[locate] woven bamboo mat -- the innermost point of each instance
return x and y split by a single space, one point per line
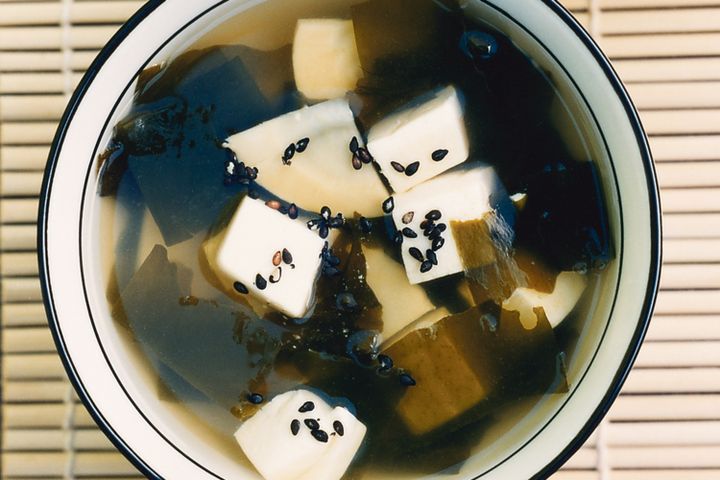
666 423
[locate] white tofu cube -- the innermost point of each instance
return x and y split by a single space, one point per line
421 142
426 321
318 168
402 303
462 194
325 58
273 257
569 287
298 435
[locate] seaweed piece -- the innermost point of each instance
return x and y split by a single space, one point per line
567 224
485 247
217 348
238 85
565 220
172 139
404 48
511 98
539 276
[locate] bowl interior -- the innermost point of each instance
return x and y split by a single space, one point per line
528 437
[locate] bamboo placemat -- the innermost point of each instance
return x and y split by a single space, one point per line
666 423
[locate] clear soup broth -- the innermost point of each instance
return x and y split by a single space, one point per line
436 197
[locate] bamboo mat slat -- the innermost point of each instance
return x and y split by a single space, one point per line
42 13
668 70
30 61
666 423
25 157
685 327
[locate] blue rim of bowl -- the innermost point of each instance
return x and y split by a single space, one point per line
628 359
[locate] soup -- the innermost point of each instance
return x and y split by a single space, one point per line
373 248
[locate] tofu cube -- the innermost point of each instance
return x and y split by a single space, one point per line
466 364
447 362
325 58
466 193
254 253
304 157
418 143
402 303
557 305
300 436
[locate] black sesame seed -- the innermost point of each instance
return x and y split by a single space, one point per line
479 46
325 213
255 398
312 424
398 167
426 223
439 155
345 302
432 256
307 407
324 231
320 436
409 232
295 427
364 155
416 254
260 282
354 145
251 173
240 288
426 266
302 145
231 156
293 211
365 225
283 210
337 222
435 233
386 363
289 154
408 217
398 238
434 215
388 205
412 169
253 194
287 256
338 427
356 162
407 380
441 227
438 243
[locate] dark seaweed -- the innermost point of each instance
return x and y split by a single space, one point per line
173 136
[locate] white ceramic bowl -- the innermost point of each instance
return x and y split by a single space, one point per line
111 379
